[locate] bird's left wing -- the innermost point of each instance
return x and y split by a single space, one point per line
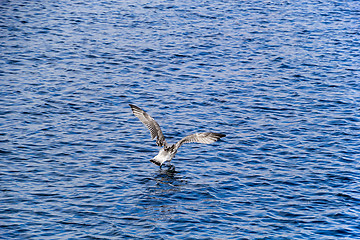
151 124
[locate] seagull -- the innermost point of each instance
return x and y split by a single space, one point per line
167 152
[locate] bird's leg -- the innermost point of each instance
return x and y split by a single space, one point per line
171 168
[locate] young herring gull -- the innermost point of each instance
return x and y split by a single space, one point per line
167 152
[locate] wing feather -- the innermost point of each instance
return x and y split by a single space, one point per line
205 137
151 124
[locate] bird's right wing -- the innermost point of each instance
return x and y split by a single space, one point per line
151 124
205 137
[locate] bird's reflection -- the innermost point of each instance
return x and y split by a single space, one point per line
170 177
160 199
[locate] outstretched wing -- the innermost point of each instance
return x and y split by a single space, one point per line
151 124
205 137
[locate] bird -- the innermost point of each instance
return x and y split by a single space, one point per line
167 152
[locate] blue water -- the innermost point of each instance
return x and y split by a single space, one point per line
279 78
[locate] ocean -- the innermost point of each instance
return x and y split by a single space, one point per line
279 78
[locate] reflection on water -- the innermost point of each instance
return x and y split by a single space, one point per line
159 191
167 176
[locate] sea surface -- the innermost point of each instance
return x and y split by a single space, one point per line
280 78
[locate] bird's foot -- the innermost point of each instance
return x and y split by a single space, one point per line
171 168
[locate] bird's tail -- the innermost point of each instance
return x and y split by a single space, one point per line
155 162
